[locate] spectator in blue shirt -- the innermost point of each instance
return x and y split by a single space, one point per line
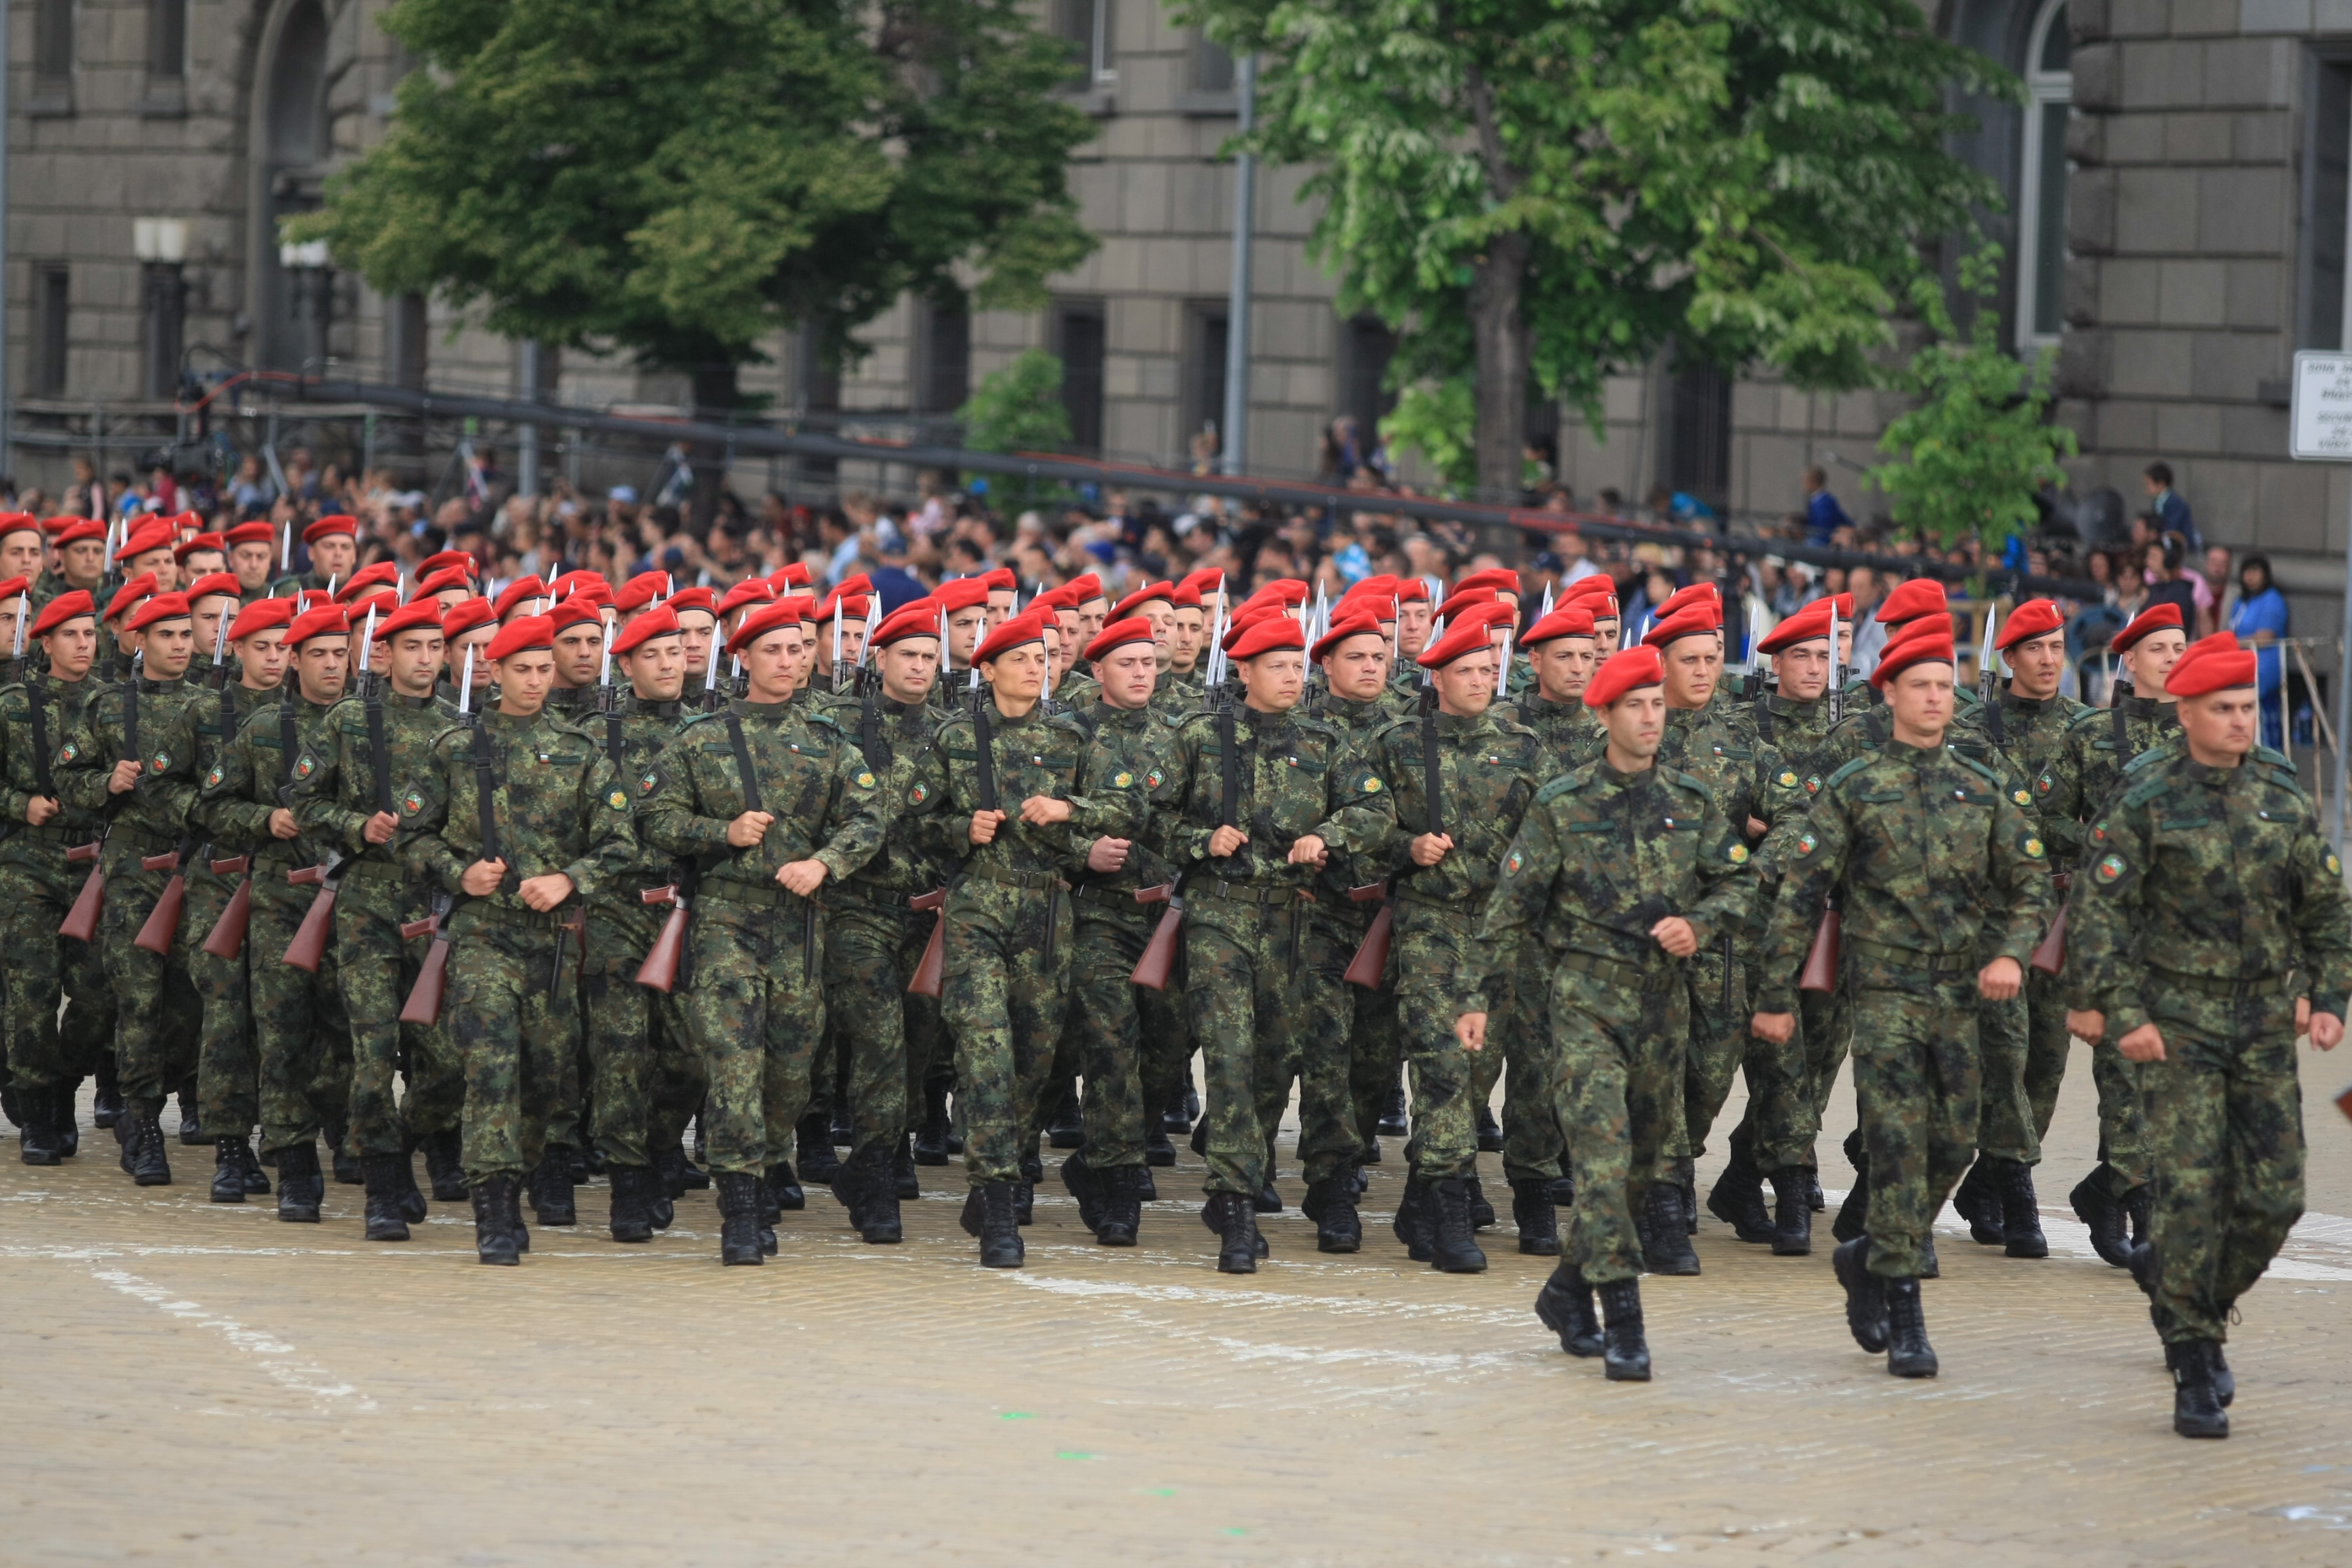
2260 622
2171 511
1823 516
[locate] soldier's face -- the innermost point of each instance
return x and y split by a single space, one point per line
20 553
1803 669
999 608
159 561
772 664
909 667
1184 650
473 649
1920 701
1018 676
333 556
1636 722
1604 634
1066 651
321 664
1162 616
1092 615
1358 669
1128 673
657 669
964 634
2151 659
72 647
412 659
200 564
853 640
2035 665
1273 682
168 645
19 632
579 654
83 563
1414 617
1564 666
210 611
524 680
2220 725
1692 665
694 628
1465 687
262 658
251 562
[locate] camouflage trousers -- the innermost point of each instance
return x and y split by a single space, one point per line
1915 1084
301 1035
1532 1150
2005 1129
643 1075
1244 955
158 1022
1008 949
378 966
1431 954
1351 1053
1718 979
1133 1043
1618 1034
228 1071
2225 1125
515 1034
47 1050
2124 1146
753 1013
1777 1131
871 950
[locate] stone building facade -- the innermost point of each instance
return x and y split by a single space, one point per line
2177 227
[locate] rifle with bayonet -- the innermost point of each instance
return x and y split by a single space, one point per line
1158 964
309 948
424 1003
82 920
1821 968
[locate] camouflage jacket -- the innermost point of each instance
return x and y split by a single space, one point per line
895 739
1037 753
2075 785
1747 777
1125 745
335 786
1356 723
2218 874
1600 858
556 806
1928 856
1571 734
61 705
156 809
1800 732
1289 778
254 775
827 803
2032 735
1488 770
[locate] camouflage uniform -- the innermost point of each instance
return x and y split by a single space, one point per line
514 1022
228 1072
1571 733
1245 921
1938 872
1009 925
756 1008
2208 903
302 1035
1600 858
335 793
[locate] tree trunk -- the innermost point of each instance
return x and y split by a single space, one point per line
715 395
1500 333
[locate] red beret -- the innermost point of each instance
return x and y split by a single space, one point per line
961 593
2159 617
805 604
519 593
14 588
1468 635
701 599
1001 577
1626 670
1281 591
210 584
1411 590
1466 600
1680 599
915 618
129 595
1909 601
1927 640
260 615
1014 633
367 577
1062 601
659 622
1118 633
854 606
190 546
790 574
1185 599
66 606
530 634
1844 602
1501 579
750 591
418 613
639 592
449 580
383 600
576 612
439 560
590 589
334 523
1381 586
1598 586
768 617
856 583
1271 635
1204 580
570 582
142 541
1133 604
327 620
1807 624
1353 622
1088 586
18 522
464 615
77 529
1567 621
2033 618
1249 615
2211 664
1695 620
251 533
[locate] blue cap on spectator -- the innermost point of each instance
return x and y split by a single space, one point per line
625 494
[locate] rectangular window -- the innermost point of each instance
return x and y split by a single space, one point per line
1081 341
945 377
1212 67
1698 434
2327 160
1366 347
1207 335
51 306
167 39
53 42
1084 25
163 321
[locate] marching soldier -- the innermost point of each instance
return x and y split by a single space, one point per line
1564 650
250 556
1935 867
2210 908
334 547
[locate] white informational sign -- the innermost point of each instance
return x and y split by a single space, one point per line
2321 427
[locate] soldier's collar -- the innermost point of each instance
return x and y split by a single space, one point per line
2135 706
1611 774
2010 699
1904 751
2206 773
1463 723
1803 706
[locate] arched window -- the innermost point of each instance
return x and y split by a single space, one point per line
2041 184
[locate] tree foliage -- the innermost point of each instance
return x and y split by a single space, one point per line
1018 408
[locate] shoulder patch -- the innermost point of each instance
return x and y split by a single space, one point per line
1847 772
2110 868
1737 854
411 803
2028 844
618 800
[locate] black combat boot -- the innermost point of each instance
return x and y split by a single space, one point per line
1978 1200
1813 1199
192 1121
766 1209
738 1218
63 1122
106 1100
878 1221
1625 1354
1392 1124
784 1188
903 1180
2020 1212
1119 1204
300 1188
1024 1202
1452 1240
1175 1119
1565 1305
1085 1185
2137 1204
1687 1180
2196 1405
1234 1219
1482 1213
579 1166
413 1206
1266 1200
813 1136
1199 1141
1068 1130
633 1190
988 1214
228 1171
1665 1244
1368 1153
844 1130
346 1165
550 1190
848 1188
150 1166
442 1167
510 1211
1866 1294
1147 1190
1033 1168
1538 1221
1908 1353
495 1240
2102 1217
1331 1204
1793 1216
1157 1149
1415 1222
386 1222
1490 1131
1853 1215
661 1208
257 1184
2225 1386
1562 1189
932 1137
1738 1200
40 1128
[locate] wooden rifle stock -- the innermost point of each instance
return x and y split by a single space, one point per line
309 948
1822 962
1371 960
411 930
227 937
162 926
2050 956
424 1003
2344 1104
82 921
930 977
1158 960
659 970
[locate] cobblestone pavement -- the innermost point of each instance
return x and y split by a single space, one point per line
200 1383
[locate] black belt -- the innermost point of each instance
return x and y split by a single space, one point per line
68 836
1244 892
1120 899
1033 881
529 920
2220 984
1618 972
1913 957
771 898
377 872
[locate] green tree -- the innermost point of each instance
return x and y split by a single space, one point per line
1970 456
1545 191
680 178
1018 408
